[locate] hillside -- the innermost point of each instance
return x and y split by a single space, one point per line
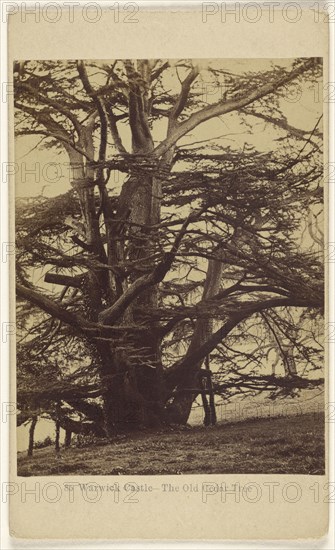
287 445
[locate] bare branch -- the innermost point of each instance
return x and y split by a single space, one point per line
225 107
64 280
182 98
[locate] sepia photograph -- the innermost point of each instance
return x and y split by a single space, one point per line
169 232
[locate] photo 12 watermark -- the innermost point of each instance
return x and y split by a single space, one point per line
130 493
71 12
269 12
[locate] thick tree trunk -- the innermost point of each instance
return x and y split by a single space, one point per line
132 394
131 371
134 375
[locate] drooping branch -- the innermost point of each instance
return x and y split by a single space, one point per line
268 383
60 390
225 107
215 306
51 129
78 323
281 123
175 371
53 103
51 307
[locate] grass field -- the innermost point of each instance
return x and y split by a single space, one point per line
283 445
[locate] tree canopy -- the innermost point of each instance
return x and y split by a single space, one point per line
169 247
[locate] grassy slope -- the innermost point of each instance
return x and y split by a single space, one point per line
291 445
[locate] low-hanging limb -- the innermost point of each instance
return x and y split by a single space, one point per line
175 372
269 383
79 324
